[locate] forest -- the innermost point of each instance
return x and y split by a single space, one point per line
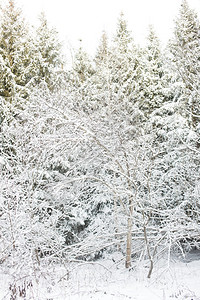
99 158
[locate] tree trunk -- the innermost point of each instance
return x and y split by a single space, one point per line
129 242
148 252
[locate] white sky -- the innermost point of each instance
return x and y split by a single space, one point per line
86 19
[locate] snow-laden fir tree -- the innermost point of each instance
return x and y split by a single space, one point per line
7 81
174 174
155 79
124 70
185 48
82 65
17 54
102 61
82 81
102 49
121 61
50 64
101 79
174 136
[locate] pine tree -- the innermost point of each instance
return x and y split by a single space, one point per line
82 83
124 67
102 50
122 37
7 81
101 77
185 48
121 55
16 52
82 65
50 63
155 80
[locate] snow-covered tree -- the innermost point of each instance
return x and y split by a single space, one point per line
18 56
186 53
82 81
174 175
82 65
155 84
123 63
50 64
24 238
122 71
102 50
7 81
102 71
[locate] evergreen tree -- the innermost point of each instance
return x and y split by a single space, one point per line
124 68
50 63
121 58
155 82
101 78
18 56
102 50
82 65
82 82
185 48
7 81
122 37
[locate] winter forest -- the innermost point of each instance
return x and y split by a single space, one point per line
98 160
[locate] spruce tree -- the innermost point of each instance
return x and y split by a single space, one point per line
82 65
102 50
155 82
17 54
101 78
121 56
7 81
50 62
185 48
124 67
82 81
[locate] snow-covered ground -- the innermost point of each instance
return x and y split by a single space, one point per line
107 279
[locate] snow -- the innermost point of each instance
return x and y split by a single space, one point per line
107 279
2 161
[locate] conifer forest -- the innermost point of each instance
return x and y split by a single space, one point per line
100 157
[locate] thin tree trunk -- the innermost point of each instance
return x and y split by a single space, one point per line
148 252
129 242
150 269
130 216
